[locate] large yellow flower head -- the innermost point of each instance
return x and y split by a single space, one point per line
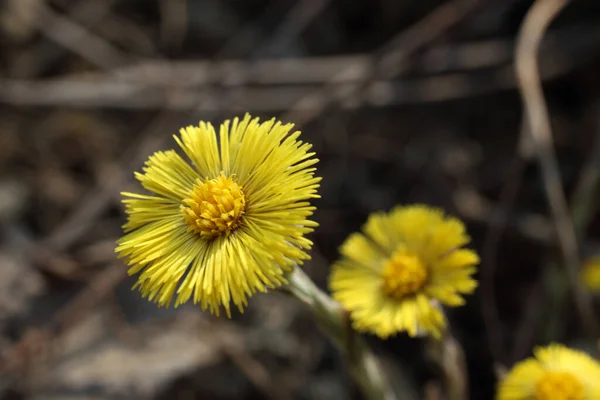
590 274
228 225
392 277
555 373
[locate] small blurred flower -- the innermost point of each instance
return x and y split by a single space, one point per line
393 277
228 225
555 373
590 274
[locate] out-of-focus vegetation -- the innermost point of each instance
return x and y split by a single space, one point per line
404 102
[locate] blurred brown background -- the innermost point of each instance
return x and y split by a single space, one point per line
404 101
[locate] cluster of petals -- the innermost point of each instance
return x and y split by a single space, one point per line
228 222
395 275
555 372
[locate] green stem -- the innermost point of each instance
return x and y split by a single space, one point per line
448 354
333 321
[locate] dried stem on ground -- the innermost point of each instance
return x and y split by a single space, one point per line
539 17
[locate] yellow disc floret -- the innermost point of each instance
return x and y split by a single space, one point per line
403 274
214 207
559 385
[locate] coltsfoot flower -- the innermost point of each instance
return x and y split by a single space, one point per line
228 225
555 373
590 274
393 276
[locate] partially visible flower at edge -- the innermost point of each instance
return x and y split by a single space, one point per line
227 226
556 372
590 274
393 277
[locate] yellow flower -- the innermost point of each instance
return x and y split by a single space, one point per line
556 373
393 277
228 225
590 274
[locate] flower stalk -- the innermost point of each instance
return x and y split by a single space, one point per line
333 321
449 356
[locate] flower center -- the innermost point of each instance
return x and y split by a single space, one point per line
403 274
557 385
214 206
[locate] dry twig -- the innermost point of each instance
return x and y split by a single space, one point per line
79 40
32 60
489 253
532 31
174 19
279 84
584 199
389 61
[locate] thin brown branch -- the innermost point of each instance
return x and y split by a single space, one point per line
530 36
96 201
113 93
396 52
294 23
584 200
73 36
529 323
441 58
491 242
36 341
388 61
253 369
174 18
33 59
270 85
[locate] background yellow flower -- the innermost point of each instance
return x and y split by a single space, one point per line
590 274
392 277
226 226
555 373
